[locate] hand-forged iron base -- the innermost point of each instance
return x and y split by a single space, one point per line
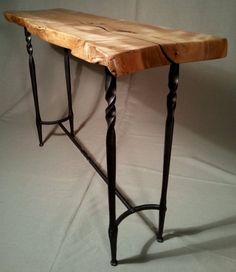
110 177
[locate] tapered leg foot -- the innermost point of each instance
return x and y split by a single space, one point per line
162 214
71 120
40 134
113 242
114 263
161 226
160 239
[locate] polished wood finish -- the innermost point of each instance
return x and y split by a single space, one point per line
122 46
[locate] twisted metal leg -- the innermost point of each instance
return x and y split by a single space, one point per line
34 85
68 87
110 87
171 105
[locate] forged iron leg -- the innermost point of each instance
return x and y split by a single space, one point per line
110 87
68 87
34 85
171 105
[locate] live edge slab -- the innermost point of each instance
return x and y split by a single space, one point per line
122 46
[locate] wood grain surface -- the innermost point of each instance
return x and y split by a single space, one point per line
123 46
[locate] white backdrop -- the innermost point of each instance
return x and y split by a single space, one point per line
53 207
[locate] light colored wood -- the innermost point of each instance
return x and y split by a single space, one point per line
123 46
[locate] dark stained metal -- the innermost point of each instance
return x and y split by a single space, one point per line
110 88
34 85
136 209
171 105
68 88
56 122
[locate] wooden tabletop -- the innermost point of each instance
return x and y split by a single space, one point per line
123 46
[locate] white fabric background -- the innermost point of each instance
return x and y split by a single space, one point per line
53 206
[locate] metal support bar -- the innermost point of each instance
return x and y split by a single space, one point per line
95 165
171 105
56 122
34 85
136 209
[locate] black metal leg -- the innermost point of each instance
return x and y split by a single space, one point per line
171 105
68 87
34 85
110 87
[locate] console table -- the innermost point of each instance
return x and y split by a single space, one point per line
122 47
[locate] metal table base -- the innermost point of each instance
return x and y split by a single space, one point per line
110 113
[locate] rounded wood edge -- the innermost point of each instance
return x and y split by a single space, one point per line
132 61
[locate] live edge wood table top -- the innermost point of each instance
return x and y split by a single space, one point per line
122 46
